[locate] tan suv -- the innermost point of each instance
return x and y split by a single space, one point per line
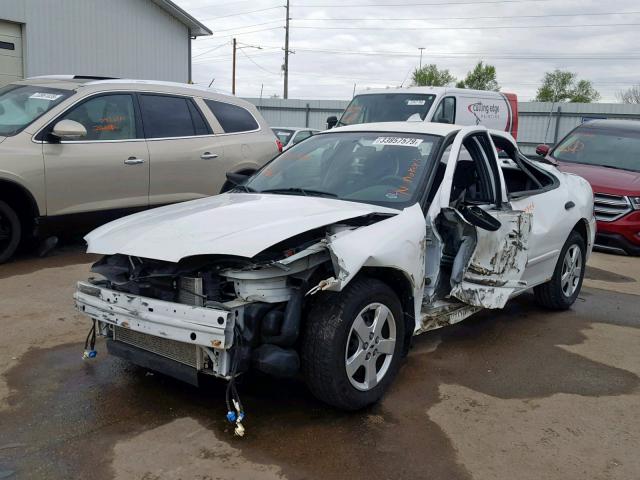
80 151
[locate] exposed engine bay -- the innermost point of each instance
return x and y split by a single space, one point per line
264 298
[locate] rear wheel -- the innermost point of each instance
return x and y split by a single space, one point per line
352 344
561 291
10 232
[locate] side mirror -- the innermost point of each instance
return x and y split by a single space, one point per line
68 130
479 218
332 121
543 150
237 178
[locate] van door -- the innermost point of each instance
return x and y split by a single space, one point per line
484 236
185 155
108 169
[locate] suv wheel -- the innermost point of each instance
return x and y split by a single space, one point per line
561 291
10 232
352 344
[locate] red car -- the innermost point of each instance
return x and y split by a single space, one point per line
607 154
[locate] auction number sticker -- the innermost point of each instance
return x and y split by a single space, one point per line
416 102
402 141
46 96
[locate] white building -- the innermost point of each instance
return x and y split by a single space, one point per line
147 39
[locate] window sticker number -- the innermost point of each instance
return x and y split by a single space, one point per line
402 141
416 102
46 96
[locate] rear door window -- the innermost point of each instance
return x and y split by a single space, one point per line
164 116
232 118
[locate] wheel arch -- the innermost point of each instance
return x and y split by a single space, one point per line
21 200
398 281
583 228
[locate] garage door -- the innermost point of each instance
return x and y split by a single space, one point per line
10 52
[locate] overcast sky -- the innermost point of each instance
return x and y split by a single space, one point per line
329 38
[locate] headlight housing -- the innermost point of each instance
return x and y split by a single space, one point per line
635 202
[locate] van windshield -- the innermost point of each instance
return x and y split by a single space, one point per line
387 107
20 105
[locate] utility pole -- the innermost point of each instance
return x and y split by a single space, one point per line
421 49
233 74
286 55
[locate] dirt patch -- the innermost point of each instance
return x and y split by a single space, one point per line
593 273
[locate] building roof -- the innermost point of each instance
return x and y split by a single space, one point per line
196 28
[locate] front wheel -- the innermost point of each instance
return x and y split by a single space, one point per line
10 232
352 344
561 291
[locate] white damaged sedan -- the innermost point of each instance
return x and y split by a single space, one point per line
326 261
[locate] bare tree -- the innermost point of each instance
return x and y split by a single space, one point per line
630 95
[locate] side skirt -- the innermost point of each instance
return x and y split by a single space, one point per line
443 313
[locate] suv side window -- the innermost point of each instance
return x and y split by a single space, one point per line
106 117
446 111
164 116
232 118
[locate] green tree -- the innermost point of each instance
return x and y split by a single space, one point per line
563 86
482 77
431 76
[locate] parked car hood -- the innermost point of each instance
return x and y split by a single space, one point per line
242 224
606 180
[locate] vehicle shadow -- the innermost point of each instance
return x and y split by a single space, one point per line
69 252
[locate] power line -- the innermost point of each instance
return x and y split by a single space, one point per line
271 8
258 65
243 33
502 27
248 26
210 50
368 5
219 5
459 18
506 55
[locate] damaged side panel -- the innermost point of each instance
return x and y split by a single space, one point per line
495 270
398 243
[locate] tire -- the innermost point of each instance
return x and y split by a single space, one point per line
10 232
226 187
559 293
331 340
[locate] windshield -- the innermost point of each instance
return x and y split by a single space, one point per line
283 135
22 104
611 147
381 168
386 107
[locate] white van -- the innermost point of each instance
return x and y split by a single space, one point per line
495 110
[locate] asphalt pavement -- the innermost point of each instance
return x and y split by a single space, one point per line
521 393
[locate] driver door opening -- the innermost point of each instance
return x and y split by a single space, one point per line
476 244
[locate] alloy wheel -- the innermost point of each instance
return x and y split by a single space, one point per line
370 346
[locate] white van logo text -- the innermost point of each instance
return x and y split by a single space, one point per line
482 111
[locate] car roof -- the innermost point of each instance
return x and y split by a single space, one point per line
91 84
295 129
430 90
630 125
85 81
429 128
